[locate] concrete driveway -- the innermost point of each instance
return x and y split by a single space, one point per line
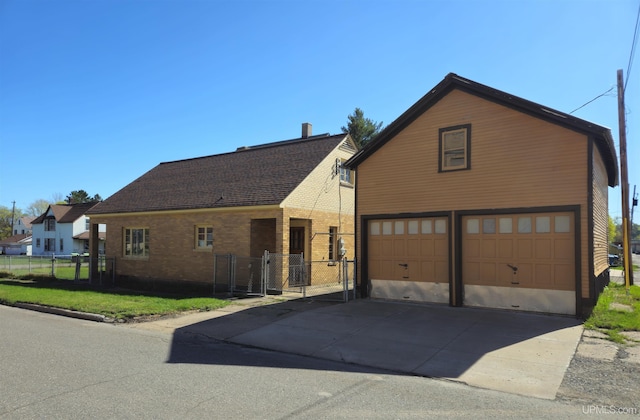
513 352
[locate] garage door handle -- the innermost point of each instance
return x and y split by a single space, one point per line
404 265
514 268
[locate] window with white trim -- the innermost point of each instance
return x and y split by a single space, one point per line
136 242
454 148
204 237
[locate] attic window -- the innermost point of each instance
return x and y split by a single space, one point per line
346 174
455 148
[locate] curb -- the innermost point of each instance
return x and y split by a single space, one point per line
63 312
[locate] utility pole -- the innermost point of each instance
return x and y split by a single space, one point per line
624 186
13 217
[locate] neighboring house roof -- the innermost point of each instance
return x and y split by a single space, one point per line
250 176
65 213
16 239
601 135
86 234
27 220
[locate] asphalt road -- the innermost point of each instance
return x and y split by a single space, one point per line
57 367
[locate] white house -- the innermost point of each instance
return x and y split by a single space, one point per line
22 226
63 230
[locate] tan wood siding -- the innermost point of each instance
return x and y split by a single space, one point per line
517 161
600 216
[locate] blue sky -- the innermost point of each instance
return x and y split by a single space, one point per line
95 93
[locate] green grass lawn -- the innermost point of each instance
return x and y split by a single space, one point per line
113 304
616 311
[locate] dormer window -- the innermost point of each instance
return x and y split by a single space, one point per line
455 148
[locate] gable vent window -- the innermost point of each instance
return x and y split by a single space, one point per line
455 148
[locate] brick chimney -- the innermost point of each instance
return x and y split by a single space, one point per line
306 130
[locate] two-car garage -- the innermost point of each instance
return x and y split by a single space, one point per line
519 261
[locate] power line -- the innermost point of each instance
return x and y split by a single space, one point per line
633 49
599 96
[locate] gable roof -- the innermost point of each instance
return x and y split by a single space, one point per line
601 135
250 176
65 213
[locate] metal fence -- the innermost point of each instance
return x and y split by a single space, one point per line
63 267
235 275
279 273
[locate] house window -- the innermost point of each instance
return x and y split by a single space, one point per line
50 224
455 148
204 237
37 242
49 244
346 174
136 242
61 245
87 224
333 244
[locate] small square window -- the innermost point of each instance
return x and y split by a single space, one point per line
426 227
543 224
399 227
524 224
473 226
387 228
375 228
441 226
505 225
562 224
412 227
489 226
454 148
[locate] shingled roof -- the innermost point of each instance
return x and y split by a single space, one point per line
601 135
65 213
250 176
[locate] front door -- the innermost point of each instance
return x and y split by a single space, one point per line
296 249
296 240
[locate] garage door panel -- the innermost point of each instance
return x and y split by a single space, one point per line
525 273
471 273
441 248
413 247
472 248
563 277
563 249
409 258
505 248
387 247
386 269
399 249
524 248
488 275
530 255
427 270
426 248
489 248
442 272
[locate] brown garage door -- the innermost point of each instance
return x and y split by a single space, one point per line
520 261
409 259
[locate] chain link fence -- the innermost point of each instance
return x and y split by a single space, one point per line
279 273
63 267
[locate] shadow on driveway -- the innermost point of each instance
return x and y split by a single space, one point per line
514 352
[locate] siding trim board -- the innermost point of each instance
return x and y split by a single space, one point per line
590 236
459 215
